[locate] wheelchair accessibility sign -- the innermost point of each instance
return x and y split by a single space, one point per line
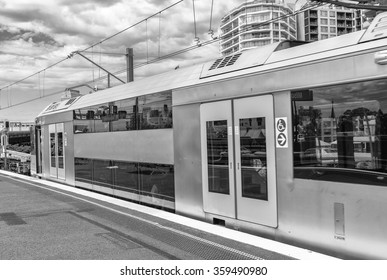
281 132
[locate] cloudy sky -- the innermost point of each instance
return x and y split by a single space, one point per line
35 34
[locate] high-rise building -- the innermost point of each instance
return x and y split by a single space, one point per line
256 23
328 21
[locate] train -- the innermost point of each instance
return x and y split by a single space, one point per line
229 142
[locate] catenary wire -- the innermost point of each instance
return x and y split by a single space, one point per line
205 43
91 46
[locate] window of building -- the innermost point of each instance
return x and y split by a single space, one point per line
324 29
324 21
324 36
323 13
332 14
332 22
341 135
332 29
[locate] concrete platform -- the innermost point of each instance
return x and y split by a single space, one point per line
41 219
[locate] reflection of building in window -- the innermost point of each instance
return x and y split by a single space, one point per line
328 129
347 134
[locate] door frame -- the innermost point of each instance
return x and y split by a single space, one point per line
234 205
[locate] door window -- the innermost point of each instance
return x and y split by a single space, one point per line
217 157
253 158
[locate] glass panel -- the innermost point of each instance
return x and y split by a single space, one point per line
102 173
217 157
83 169
157 181
60 150
39 151
53 149
340 133
126 176
84 120
155 111
126 115
102 118
253 157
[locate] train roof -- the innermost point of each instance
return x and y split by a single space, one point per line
267 57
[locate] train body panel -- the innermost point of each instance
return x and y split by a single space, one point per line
231 144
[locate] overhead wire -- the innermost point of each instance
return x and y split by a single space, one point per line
208 42
197 40
303 9
91 46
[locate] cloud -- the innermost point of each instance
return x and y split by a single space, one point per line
8 33
36 34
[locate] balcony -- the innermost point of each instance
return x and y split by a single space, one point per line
255 36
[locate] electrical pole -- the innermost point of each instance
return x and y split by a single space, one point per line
129 65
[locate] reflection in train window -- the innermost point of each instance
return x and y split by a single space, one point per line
126 117
340 133
102 173
217 157
253 158
153 111
152 181
157 182
83 170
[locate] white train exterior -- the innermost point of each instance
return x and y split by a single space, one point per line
288 143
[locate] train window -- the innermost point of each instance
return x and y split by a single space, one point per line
253 158
126 176
90 119
340 133
217 157
151 111
83 170
53 149
157 182
152 181
155 111
102 118
126 115
60 150
102 173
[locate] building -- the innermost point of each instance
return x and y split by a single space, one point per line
253 24
328 21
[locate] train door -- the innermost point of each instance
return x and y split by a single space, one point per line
238 152
57 168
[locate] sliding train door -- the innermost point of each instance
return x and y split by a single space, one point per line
238 152
57 168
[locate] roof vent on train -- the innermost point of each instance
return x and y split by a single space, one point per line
376 30
226 61
246 59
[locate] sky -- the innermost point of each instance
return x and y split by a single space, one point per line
35 35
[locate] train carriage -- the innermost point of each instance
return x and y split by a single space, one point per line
286 141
